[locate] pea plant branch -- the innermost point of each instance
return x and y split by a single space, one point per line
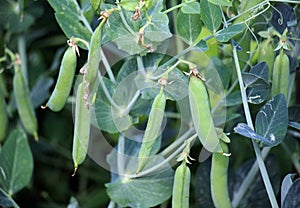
258 154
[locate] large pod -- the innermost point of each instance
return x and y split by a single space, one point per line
94 55
201 115
267 54
153 129
281 73
181 187
24 105
219 179
64 83
81 128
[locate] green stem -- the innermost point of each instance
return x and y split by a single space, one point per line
125 21
107 67
23 57
11 200
248 180
259 158
111 204
177 6
179 43
132 102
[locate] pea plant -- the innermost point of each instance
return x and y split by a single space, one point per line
185 103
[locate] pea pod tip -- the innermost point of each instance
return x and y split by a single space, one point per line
226 154
36 136
44 106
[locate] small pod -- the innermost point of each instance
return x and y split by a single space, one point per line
267 54
81 128
219 179
153 129
201 115
280 81
3 118
94 55
64 83
24 105
181 186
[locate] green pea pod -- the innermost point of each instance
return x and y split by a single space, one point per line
201 115
81 128
24 105
281 71
267 54
153 129
3 118
181 187
94 56
219 179
64 83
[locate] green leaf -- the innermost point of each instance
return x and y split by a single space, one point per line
40 92
286 184
229 32
95 4
272 120
108 118
5 200
222 70
221 2
292 198
129 4
257 83
68 16
233 99
145 191
191 8
159 30
16 162
246 131
211 15
188 26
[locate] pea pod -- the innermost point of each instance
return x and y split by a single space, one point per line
24 105
201 115
280 81
267 54
3 118
181 186
219 179
64 83
94 55
153 129
81 128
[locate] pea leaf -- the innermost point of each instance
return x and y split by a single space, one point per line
191 8
286 184
68 16
245 130
5 200
146 191
129 4
211 15
229 32
108 118
221 2
272 120
257 83
188 26
16 162
292 198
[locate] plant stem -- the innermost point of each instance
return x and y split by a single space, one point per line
259 158
125 21
23 57
111 204
248 180
179 43
177 6
120 155
132 101
177 142
107 67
